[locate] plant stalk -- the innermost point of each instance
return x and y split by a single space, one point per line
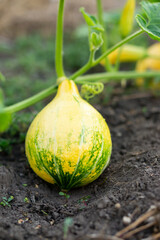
59 41
117 64
86 67
116 76
104 35
29 101
121 43
103 77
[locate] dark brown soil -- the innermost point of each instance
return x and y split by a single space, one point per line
128 187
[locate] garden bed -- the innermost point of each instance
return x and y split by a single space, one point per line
126 189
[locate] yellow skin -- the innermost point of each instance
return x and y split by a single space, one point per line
128 53
69 142
149 64
131 53
127 18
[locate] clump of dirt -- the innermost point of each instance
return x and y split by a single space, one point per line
19 17
126 189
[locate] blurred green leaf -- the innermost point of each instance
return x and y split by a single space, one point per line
10 198
5 118
2 78
5 145
151 22
1 91
67 224
61 193
96 41
92 21
1 98
153 1
5 121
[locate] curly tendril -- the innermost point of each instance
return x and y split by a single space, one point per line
89 90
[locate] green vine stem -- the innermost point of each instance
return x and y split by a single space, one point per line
106 77
103 77
117 64
91 58
104 35
59 41
29 101
88 65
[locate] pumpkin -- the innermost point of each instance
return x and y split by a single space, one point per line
69 142
149 63
128 53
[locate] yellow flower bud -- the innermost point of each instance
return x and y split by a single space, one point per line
127 18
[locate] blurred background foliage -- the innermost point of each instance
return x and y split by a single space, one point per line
27 62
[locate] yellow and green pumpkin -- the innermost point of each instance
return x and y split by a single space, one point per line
127 53
149 63
69 142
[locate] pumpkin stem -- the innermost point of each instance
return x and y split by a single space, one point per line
67 87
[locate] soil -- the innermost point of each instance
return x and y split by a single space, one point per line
127 188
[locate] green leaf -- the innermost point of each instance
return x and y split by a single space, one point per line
67 224
4 198
1 98
94 19
150 23
10 198
5 118
2 203
5 121
67 196
152 1
2 78
96 41
98 28
61 193
91 21
26 200
24 185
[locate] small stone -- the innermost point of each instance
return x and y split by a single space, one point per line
21 174
103 203
38 226
117 205
152 207
126 220
52 222
21 221
119 134
33 200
